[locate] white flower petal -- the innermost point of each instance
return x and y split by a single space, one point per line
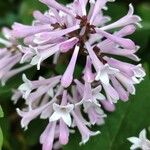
142 134
134 147
100 96
104 78
67 119
36 60
51 92
134 140
55 116
62 112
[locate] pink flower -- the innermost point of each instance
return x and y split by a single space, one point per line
81 37
47 137
9 57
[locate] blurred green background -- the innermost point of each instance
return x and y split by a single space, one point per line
128 119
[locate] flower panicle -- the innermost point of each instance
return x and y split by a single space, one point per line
76 36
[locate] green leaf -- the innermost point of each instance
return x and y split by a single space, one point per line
1 138
33 133
120 10
128 120
144 11
1 112
27 8
13 83
6 128
65 1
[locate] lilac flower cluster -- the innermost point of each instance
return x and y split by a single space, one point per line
73 32
9 57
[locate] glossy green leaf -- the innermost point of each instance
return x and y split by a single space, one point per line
1 112
128 120
1 138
